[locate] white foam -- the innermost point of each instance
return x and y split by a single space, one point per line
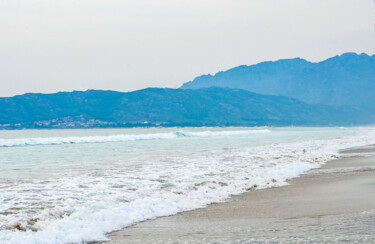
84 204
121 138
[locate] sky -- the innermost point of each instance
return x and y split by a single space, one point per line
52 45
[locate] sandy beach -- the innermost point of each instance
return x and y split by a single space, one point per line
332 204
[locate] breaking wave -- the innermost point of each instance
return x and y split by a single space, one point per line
121 138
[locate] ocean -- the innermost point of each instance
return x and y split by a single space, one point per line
74 186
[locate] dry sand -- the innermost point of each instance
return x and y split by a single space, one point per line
333 204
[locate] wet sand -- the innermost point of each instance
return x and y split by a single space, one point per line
332 204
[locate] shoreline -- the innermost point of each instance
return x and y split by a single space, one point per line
184 126
333 203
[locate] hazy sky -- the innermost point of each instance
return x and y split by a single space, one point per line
64 45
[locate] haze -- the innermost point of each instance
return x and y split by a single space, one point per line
49 45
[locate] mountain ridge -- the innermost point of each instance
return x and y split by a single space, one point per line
167 107
336 91
347 79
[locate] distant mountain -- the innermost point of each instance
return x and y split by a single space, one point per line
348 79
166 107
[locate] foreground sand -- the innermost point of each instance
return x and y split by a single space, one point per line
333 204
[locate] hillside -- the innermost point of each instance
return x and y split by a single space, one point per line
166 107
348 79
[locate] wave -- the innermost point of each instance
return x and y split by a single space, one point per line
90 201
121 138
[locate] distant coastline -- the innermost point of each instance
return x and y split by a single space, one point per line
142 126
293 92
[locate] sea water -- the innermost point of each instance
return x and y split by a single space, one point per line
74 186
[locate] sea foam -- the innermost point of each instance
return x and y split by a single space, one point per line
83 200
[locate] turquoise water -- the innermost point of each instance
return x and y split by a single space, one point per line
64 186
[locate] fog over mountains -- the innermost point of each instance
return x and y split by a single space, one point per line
337 91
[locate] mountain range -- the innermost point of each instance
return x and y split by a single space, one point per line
337 91
348 79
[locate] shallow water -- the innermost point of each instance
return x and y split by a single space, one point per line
64 186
